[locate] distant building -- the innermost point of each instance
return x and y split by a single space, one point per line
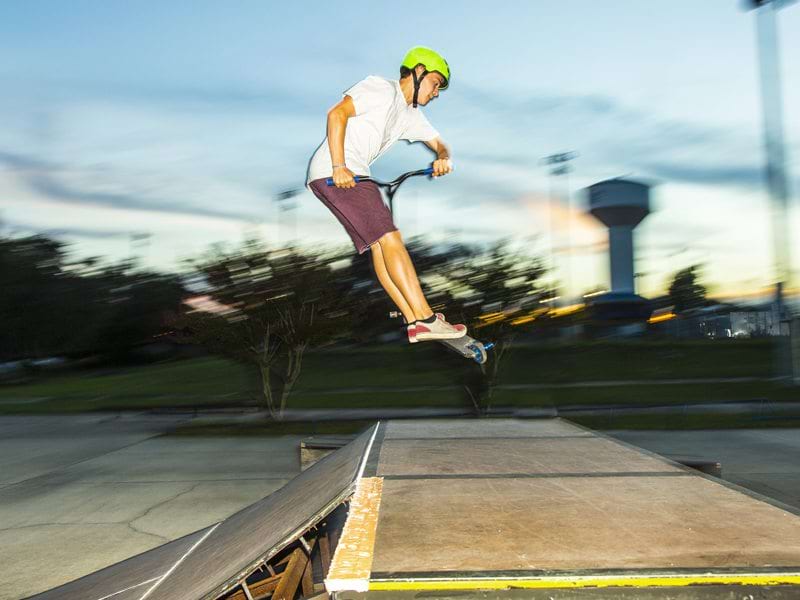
719 322
760 323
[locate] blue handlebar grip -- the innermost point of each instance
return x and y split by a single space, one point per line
429 171
329 180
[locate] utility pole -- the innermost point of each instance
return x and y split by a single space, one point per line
777 179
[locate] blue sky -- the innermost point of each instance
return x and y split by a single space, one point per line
183 120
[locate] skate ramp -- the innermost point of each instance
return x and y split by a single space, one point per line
208 562
469 507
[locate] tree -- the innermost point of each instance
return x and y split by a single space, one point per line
135 306
51 306
275 305
33 282
489 290
685 292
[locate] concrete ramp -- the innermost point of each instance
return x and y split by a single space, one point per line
547 509
215 560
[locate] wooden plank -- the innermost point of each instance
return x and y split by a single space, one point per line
325 554
259 590
283 561
333 536
265 589
308 580
352 560
292 576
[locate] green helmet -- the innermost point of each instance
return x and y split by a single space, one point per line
433 62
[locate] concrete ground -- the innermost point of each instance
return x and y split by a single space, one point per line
81 492
78 493
766 461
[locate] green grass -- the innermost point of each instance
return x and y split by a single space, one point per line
647 395
201 376
207 382
564 363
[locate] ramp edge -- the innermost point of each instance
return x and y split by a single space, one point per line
593 581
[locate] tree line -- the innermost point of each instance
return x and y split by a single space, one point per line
271 306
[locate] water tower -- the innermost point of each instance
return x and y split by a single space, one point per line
620 205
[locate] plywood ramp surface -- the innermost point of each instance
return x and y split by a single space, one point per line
500 503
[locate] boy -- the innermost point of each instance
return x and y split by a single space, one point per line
372 116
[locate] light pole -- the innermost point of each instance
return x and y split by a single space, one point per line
286 204
777 180
559 167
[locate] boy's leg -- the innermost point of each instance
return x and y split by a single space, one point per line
403 276
386 281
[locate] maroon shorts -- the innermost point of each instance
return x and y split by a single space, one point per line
360 210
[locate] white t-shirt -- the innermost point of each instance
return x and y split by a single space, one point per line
382 117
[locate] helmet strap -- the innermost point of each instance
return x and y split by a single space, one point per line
417 82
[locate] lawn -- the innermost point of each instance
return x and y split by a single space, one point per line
425 375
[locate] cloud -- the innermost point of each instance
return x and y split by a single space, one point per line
720 174
39 176
610 137
21 162
81 232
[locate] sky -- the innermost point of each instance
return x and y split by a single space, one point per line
157 129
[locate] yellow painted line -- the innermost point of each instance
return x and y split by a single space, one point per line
582 582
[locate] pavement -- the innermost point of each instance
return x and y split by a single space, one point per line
766 461
81 492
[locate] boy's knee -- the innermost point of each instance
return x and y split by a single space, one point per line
390 239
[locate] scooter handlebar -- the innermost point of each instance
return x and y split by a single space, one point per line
357 178
329 180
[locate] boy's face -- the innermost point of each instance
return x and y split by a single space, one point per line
429 88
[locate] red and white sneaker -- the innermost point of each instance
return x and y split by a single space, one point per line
440 329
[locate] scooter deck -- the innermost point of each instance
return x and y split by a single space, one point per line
468 347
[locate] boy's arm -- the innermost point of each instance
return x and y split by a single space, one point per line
442 164
337 123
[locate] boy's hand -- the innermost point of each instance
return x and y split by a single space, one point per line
442 166
343 178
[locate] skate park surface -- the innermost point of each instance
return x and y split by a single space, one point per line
461 506
82 492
